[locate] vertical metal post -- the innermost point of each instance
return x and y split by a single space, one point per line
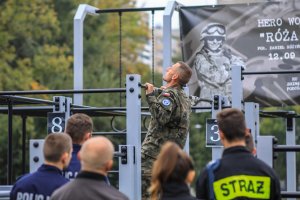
82 10
64 106
216 107
252 118
127 172
36 157
24 144
68 102
167 34
265 149
133 137
236 86
10 134
291 175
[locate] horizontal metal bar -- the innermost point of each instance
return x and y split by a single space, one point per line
121 10
286 194
109 133
200 108
286 148
279 113
187 7
113 172
28 92
25 110
102 109
114 133
118 154
145 108
28 100
33 108
108 108
272 72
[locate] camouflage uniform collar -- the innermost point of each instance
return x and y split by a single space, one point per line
175 87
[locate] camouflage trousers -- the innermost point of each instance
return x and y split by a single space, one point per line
146 166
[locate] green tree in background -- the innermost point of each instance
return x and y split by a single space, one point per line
30 56
36 42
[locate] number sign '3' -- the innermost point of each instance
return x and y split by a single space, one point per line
212 134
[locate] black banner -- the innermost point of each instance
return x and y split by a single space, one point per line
260 37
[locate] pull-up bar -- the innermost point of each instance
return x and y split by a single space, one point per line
107 90
118 10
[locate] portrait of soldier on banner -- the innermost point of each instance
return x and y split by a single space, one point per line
212 63
262 37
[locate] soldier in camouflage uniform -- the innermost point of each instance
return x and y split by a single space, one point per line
170 110
213 62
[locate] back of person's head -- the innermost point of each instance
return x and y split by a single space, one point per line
185 73
78 126
231 122
96 154
172 165
55 146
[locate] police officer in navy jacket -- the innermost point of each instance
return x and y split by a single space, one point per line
41 184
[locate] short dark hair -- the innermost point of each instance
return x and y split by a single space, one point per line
231 122
185 73
55 145
78 125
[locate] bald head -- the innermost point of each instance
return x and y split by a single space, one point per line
96 153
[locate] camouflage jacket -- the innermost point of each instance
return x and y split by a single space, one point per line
170 111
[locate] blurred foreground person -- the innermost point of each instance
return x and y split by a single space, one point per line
96 157
172 173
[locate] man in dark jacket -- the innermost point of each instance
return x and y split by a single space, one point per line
238 174
40 184
96 157
80 128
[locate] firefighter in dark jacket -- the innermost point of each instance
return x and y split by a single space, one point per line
238 174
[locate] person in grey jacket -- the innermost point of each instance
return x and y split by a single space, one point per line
96 157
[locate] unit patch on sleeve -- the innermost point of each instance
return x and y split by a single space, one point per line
166 102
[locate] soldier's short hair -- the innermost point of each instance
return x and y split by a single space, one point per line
78 125
55 145
231 122
185 73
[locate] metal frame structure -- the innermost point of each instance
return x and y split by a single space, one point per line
129 154
63 104
82 11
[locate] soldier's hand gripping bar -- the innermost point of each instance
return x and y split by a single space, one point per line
194 99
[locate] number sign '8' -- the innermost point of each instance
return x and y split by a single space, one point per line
56 122
212 134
